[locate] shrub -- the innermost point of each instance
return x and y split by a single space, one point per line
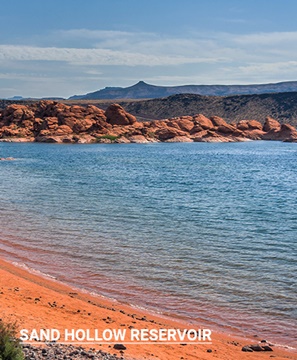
151 134
10 347
108 137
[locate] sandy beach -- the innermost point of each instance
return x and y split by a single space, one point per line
37 302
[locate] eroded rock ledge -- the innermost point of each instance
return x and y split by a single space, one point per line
50 121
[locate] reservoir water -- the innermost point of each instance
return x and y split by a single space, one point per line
204 232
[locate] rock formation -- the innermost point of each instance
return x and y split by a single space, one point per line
116 115
51 121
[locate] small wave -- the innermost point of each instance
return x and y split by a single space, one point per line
282 346
32 270
95 294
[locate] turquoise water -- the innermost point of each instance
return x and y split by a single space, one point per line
206 232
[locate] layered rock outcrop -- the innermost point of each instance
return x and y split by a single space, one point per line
50 121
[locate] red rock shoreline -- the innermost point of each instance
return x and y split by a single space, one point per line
55 122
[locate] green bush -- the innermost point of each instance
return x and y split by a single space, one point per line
109 137
10 347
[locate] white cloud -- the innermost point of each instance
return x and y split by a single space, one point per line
267 39
86 60
270 68
98 47
93 56
96 34
193 46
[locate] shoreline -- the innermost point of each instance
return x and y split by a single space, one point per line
209 321
39 302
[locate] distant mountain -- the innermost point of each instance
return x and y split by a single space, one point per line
15 98
142 90
20 98
54 98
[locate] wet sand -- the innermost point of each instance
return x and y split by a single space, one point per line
38 302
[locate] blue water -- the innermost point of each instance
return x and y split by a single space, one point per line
205 232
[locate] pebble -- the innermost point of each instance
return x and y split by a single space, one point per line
267 348
61 352
246 349
119 347
257 347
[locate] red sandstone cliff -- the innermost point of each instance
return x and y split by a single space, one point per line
49 121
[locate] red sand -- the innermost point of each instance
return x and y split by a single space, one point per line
38 303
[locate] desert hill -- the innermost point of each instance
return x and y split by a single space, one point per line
282 106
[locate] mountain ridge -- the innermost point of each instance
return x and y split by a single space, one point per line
143 90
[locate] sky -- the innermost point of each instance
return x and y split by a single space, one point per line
68 47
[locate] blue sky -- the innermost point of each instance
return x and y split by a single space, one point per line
67 47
